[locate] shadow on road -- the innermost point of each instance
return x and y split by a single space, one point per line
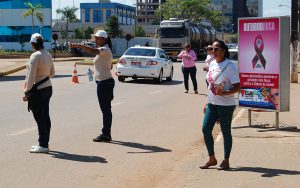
267 128
266 172
149 148
11 78
150 81
75 157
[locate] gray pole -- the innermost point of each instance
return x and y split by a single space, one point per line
294 41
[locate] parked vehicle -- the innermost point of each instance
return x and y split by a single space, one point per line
233 54
145 62
174 33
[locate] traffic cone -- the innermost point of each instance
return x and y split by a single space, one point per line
74 75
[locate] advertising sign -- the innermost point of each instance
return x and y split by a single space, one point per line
261 56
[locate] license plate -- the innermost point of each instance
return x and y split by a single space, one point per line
136 63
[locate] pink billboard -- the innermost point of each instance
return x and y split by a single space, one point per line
259 63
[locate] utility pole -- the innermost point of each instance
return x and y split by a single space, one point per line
294 41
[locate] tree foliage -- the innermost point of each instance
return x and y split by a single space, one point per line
34 10
113 28
193 10
68 14
81 33
140 32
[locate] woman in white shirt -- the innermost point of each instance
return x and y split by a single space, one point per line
105 82
40 67
223 79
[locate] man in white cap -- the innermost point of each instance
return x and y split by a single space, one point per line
105 82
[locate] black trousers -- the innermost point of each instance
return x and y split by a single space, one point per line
105 93
42 117
190 71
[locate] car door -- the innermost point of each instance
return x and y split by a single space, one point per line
165 63
169 63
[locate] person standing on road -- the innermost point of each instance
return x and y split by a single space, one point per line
208 60
40 67
188 57
105 82
223 78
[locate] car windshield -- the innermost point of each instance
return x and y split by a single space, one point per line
140 52
172 32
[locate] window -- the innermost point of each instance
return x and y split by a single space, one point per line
140 52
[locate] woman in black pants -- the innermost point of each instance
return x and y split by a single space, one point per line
188 57
105 82
40 67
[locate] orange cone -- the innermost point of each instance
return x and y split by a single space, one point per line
74 75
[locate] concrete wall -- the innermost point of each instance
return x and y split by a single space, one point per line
119 45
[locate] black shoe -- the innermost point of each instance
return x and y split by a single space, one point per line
102 138
186 91
196 92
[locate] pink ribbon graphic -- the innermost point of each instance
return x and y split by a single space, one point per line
259 47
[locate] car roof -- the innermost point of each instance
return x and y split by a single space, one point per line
233 50
146 47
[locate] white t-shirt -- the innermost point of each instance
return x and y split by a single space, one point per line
230 75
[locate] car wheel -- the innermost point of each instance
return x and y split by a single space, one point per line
121 78
160 77
170 78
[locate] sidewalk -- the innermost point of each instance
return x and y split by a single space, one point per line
9 66
261 155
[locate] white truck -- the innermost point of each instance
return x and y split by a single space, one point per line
174 33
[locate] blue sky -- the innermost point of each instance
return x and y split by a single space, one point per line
270 7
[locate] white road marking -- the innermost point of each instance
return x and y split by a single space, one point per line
155 92
23 131
117 103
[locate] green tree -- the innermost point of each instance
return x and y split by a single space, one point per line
79 33
68 14
113 28
140 32
22 41
193 10
88 32
34 10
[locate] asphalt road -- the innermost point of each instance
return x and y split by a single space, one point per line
154 127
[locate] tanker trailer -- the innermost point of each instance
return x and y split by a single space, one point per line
174 33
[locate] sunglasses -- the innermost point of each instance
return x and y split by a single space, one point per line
214 49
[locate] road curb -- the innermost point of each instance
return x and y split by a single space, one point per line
12 70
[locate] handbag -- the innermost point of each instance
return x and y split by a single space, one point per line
34 97
218 88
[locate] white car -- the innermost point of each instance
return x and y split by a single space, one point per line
233 55
145 62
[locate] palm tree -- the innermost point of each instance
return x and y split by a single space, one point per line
33 10
68 13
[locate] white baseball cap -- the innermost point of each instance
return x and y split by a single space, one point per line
35 36
101 33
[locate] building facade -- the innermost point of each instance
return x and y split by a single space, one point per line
145 12
15 27
234 9
99 13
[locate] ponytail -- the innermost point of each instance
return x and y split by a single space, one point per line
109 43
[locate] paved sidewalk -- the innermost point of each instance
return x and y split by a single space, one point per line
262 156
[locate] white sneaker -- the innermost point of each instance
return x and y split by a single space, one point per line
32 147
39 149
